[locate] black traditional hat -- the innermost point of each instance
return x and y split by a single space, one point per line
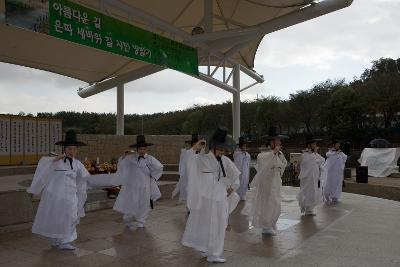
275 133
310 139
141 142
195 139
220 138
335 140
242 141
70 140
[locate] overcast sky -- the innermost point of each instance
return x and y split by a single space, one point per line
337 45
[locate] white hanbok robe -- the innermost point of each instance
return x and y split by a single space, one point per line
208 202
310 194
242 161
265 206
63 197
138 179
333 175
181 186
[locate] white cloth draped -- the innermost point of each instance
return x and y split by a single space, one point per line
332 175
63 197
381 162
265 205
242 161
310 171
138 179
208 202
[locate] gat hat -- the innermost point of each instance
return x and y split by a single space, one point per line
141 142
220 138
195 139
274 133
242 141
310 139
70 140
335 140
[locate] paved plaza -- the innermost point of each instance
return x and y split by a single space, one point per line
360 231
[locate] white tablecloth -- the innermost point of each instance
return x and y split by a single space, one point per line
381 162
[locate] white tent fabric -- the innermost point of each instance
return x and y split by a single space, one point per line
93 65
381 162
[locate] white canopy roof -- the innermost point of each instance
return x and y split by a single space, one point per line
233 29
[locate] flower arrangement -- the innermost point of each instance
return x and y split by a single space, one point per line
93 168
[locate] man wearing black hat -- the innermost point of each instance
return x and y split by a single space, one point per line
181 186
138 174
242 159
213 178
310 165
333 173
62 182
265 206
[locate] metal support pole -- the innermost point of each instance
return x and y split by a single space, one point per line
120 109
208 15
236 103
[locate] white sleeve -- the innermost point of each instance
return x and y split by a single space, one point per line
156 168
182 160
42 175
233 174
194 184
81 185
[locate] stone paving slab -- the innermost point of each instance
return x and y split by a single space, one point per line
359 231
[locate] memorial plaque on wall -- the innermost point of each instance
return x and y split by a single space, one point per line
30 153
43 139
5 140
17 140
55 135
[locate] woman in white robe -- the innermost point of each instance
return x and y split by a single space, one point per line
138 174
310 166
242 159
265 205
62 182
213 178
333 173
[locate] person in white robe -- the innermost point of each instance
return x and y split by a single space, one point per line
265 205
137 174
310 166
213 178
333 173
181 186
61 180
242 159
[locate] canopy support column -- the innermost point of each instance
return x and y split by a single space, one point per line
120 109
236 103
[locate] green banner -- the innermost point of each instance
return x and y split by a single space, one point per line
73 22
82 25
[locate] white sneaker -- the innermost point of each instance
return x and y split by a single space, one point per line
216 259
129 225
66 246
204 254
268 232
140 225
54 244
310 213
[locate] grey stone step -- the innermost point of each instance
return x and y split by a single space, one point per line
27 205
171 167
170 176
17 170
395 175
30 169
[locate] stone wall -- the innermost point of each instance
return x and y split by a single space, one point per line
166 148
